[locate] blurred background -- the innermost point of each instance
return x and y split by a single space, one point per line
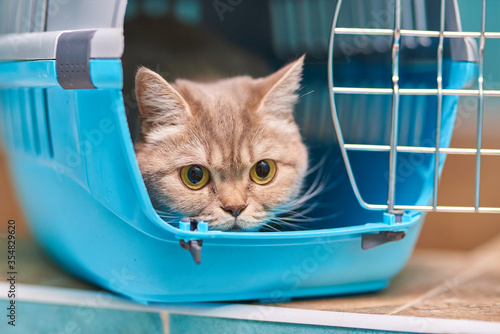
186 38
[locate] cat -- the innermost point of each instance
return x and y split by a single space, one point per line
226 152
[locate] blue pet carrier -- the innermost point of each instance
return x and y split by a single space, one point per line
64 128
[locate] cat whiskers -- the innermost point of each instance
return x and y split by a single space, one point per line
306 210
318 186
300 89
270 227
295 212
168 216
295 215
301 96
282 223
317 166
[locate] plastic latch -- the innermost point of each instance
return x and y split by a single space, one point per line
73 59
193 246
394 217
373 240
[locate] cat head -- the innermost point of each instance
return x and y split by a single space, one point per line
227 152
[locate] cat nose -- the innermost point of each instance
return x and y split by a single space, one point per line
235 210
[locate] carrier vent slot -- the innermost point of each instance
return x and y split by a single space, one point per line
39 16
43 14
24 112
45 104
21 16
28 17
34 122
15 119
3 127
18 16
6 121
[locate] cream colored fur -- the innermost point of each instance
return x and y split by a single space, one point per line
226 126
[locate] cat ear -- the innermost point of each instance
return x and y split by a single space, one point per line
280 89
159 102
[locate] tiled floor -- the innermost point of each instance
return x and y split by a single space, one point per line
435 284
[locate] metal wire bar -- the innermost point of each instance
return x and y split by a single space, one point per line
396 92
415 33
479 132
421 149
437 154
464 209
395 107
336 120
414 91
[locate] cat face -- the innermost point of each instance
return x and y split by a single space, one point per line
227 152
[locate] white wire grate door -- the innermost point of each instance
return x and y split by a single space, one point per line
450 42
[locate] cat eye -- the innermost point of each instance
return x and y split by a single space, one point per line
195 176
263 171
